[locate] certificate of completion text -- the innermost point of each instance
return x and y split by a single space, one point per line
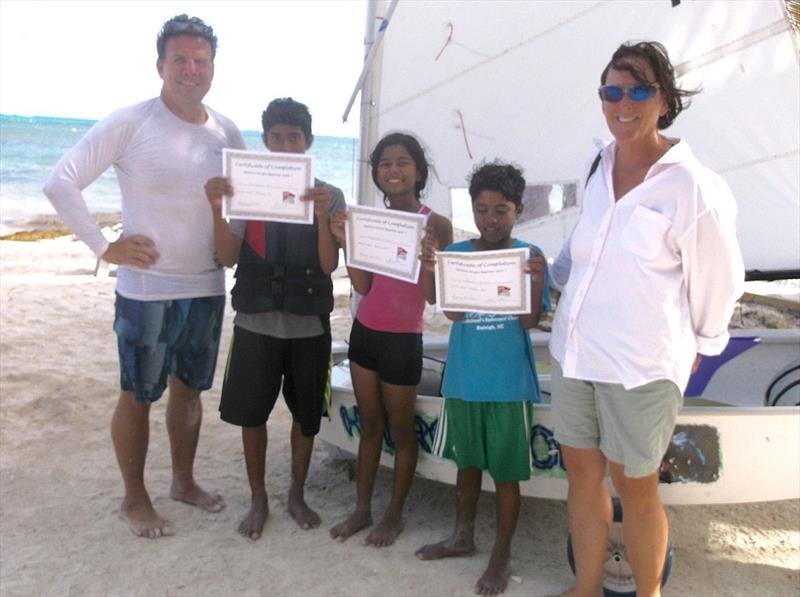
385 241
268 186
483 281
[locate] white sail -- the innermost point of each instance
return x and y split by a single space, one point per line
517 81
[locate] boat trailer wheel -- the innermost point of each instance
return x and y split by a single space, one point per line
618 579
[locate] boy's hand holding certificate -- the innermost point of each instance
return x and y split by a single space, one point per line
268 186
483 281
384 241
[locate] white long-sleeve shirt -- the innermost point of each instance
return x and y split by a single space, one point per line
161 163
649 280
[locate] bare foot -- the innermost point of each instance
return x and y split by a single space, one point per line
449 548
253 522
385 532
495 578
194 495
143 521
354 523
305 517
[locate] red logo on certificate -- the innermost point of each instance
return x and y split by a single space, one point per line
288 197
503 290
402 253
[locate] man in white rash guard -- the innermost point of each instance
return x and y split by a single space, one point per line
170 291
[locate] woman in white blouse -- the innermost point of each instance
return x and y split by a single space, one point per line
650 277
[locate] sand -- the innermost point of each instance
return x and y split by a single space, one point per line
60 486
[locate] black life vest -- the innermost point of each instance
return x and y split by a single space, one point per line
279 271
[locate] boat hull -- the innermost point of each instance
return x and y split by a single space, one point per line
719 453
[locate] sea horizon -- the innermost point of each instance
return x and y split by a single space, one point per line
30 146
91 121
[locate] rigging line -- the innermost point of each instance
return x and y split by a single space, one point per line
472 50
464 131
761 160
491 59
370 57
449 39
729 48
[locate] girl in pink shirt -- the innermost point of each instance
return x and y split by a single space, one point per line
386 344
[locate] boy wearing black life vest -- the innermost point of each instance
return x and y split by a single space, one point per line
283 297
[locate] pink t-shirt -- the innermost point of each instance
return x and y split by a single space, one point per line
392 305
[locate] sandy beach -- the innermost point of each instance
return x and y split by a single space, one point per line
60 486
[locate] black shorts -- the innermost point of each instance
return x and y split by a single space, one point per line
256 366
396 357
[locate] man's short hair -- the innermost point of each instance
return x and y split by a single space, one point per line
285 110
185 25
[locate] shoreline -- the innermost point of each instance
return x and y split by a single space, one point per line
773 305
44 226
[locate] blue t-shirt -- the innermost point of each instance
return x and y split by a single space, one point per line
490 356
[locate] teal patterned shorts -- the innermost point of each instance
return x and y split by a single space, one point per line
160 338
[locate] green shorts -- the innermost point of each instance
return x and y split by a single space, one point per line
493 436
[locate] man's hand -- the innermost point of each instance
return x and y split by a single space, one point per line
137 250
322 201
216 188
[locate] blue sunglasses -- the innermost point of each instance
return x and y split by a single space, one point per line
636 93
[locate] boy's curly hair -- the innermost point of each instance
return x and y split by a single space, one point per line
497 176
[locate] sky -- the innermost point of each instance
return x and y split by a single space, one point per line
84 59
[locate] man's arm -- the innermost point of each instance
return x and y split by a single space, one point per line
94 153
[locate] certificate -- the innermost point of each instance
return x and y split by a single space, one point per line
384 241
268 186
483 281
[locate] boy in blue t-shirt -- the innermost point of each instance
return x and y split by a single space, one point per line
490 382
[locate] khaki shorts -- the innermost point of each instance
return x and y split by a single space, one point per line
631 427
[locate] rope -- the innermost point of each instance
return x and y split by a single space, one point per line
464 131
446 43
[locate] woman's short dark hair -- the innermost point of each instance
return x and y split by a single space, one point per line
185 25
656 56
504 178
414 149
285 110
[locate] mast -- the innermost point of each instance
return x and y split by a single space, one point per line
368 85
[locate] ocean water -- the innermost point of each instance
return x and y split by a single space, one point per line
31 146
